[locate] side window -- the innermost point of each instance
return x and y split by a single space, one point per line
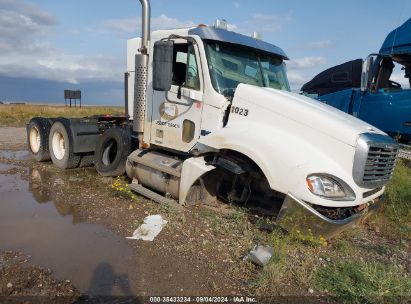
180 64
193 79
185 69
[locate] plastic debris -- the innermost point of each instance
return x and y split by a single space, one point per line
153 224
260 255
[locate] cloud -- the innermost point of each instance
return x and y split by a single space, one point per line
300 70
133 25
26 52
21 24
318 44
306 62
236 4
296 79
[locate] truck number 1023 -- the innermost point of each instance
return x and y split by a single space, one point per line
239 111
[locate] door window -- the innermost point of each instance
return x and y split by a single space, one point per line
185 69
193 79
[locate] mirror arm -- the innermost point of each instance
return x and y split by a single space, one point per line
179 90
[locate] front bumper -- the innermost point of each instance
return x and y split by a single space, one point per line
298 217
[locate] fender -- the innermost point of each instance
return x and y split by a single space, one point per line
287 158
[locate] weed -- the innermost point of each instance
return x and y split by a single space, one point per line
239 215
345 247
121 187
174 215
273 272
363 282
308 238
397 202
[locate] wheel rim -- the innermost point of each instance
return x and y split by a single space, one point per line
109 153
59 145
34 140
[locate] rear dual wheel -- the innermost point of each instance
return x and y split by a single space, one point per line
38 130
61 145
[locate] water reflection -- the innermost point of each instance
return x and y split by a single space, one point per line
36 219
44 185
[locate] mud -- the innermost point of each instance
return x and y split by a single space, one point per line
21 282
91 256
74 224
12 138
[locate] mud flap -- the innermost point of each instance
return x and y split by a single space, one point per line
298 217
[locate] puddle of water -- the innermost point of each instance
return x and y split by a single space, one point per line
15 155
33 221
5 167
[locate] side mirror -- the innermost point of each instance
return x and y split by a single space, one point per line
163 65
365 75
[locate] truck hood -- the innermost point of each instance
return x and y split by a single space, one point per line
306 111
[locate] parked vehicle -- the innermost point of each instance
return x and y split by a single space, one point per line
371 90
211 116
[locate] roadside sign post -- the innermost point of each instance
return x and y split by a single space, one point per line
72 95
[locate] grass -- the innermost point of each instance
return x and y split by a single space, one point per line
359 266
272 274
20 115
363 282
397 202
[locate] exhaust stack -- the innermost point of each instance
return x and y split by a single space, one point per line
145 25
140 80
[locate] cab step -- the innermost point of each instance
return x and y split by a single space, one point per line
140 189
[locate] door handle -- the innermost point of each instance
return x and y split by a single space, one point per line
192 94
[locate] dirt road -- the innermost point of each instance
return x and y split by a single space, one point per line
12 138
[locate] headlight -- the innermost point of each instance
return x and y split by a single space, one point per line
329 187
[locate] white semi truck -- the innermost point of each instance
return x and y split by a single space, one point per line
210 116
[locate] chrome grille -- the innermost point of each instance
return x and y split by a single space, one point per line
380 163
374 160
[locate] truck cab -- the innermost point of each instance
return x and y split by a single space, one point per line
380 94
220 120
205 74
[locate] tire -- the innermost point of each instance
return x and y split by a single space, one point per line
112 151
61 145
38 130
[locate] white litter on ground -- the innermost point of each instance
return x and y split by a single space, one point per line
153 224
260 255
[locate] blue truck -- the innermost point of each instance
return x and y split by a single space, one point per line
376 90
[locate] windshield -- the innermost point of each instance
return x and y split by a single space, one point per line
231 65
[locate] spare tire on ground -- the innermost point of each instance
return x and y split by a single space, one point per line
38 130
112 151
61 145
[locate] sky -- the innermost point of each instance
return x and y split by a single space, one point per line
47 46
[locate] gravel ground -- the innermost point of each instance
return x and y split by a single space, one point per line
12 138
19 279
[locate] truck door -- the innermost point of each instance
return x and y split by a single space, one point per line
176 114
